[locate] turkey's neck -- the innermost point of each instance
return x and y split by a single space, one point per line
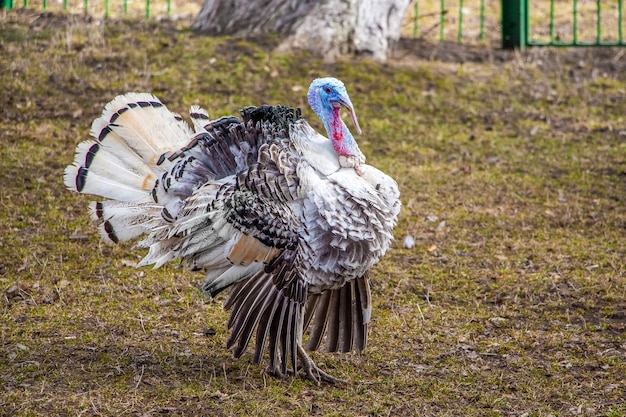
338 133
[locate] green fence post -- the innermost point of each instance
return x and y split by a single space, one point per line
442 19
415 17
619 21
514 24
460 34
598 24
575 22
482 20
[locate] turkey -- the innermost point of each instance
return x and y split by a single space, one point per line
290 220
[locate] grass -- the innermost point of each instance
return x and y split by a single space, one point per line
512 169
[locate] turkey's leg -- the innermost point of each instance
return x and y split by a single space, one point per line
314 373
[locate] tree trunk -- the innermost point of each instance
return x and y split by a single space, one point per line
328 28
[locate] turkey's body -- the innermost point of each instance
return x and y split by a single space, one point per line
261 204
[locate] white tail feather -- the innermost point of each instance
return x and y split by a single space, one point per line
121 222
131 135
146 125
104 187
109 138
117 167
199 117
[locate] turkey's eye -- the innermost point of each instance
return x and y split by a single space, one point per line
327 89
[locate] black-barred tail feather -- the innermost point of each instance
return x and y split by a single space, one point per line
113 172
120 221
134 131
199 118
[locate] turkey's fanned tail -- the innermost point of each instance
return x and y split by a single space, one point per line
124 161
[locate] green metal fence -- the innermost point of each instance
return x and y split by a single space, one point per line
509 23
521 23
562 23
460 20
107 8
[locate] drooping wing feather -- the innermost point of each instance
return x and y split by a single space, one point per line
342 315
276 312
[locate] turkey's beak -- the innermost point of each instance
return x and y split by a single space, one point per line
347 104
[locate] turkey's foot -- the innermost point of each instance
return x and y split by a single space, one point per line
277 372
313 372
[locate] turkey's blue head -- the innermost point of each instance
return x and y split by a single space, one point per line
326 97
